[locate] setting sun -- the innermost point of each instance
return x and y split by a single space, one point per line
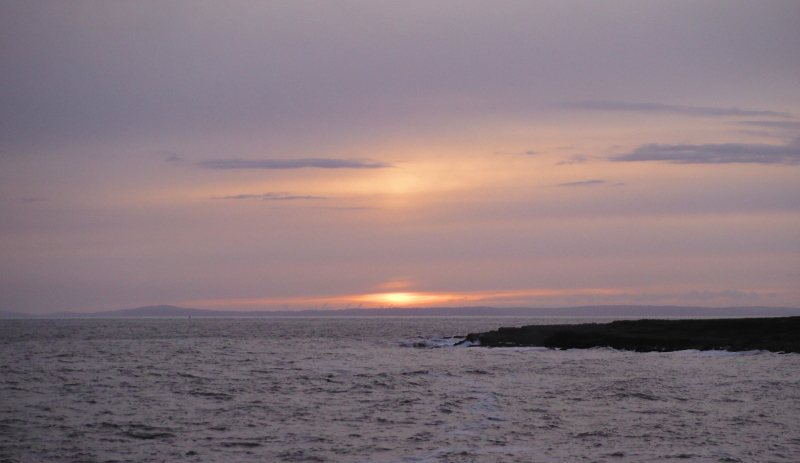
404 299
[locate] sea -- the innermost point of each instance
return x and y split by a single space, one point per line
375 389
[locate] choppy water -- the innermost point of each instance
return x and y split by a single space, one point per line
345 390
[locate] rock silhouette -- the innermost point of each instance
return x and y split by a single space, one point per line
780 334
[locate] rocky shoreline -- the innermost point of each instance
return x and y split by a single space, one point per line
779 334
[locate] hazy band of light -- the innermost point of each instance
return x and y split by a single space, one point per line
402 299
320 163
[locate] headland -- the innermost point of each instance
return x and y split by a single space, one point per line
778 334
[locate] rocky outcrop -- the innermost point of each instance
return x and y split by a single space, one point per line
780 334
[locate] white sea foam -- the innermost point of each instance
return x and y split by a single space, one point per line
719 353
438 341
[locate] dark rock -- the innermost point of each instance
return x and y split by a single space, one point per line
780 334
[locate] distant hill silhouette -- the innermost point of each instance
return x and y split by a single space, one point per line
150 311
7 314
583 311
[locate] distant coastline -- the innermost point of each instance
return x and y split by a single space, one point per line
170 311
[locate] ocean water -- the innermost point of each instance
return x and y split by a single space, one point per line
353 390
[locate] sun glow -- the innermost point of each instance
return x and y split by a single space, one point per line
519 298
404 299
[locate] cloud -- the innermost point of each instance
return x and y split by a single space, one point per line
725 294
271 197
321 163
726 153
784 125
170 156
576 159
655 108
584 183
761 133
527 153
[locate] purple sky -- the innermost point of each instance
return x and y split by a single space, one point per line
270 155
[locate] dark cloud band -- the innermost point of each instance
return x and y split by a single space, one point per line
271 197
780 125
671 109
726 153
584 183
576 159
320 163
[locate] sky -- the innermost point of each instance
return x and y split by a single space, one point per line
321 155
